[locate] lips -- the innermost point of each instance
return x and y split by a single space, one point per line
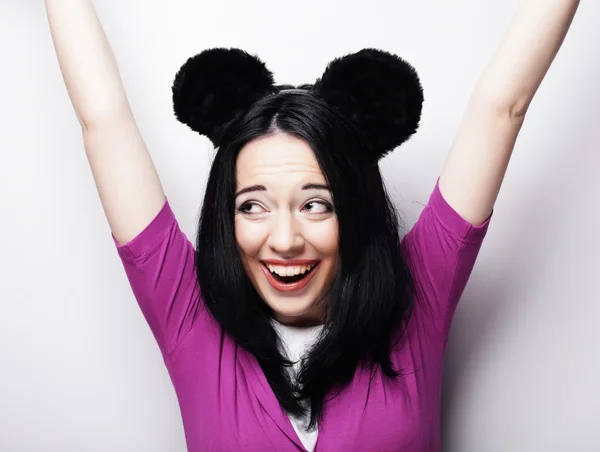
290 262
297 281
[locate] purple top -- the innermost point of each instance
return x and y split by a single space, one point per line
225 400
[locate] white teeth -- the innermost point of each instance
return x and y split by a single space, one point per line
284 270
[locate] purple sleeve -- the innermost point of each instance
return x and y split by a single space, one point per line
159 263
441 250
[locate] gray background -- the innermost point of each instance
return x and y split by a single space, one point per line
79 367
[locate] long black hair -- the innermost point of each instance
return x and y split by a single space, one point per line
370 300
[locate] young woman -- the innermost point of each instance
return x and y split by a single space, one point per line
302 320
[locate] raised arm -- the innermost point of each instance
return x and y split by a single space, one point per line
127 182
475 167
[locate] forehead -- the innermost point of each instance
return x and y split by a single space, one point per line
278 158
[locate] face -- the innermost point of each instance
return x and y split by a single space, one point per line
285 227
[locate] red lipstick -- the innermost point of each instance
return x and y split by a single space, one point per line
293 286
290 262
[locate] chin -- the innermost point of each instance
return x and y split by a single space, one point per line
287 311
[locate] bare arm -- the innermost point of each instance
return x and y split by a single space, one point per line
475 167
127 181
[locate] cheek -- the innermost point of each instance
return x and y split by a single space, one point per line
324 238
249 237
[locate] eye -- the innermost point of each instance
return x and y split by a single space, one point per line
251 208
318 207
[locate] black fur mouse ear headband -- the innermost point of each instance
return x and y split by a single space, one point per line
378 92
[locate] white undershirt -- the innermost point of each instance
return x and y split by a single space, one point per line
297 341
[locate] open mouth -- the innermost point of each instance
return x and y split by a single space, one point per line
289 278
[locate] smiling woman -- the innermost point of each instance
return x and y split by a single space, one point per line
302 320
297 191
287 229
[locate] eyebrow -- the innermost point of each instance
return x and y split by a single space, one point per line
251 189
309 186
316 187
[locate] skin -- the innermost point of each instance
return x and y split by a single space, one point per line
279 218
477 162
130 189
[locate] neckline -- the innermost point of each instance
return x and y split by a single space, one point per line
282 326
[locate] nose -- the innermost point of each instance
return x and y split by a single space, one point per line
285 237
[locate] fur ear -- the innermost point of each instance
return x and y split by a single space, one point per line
377 91
213 87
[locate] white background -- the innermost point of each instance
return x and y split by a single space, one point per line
79 369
